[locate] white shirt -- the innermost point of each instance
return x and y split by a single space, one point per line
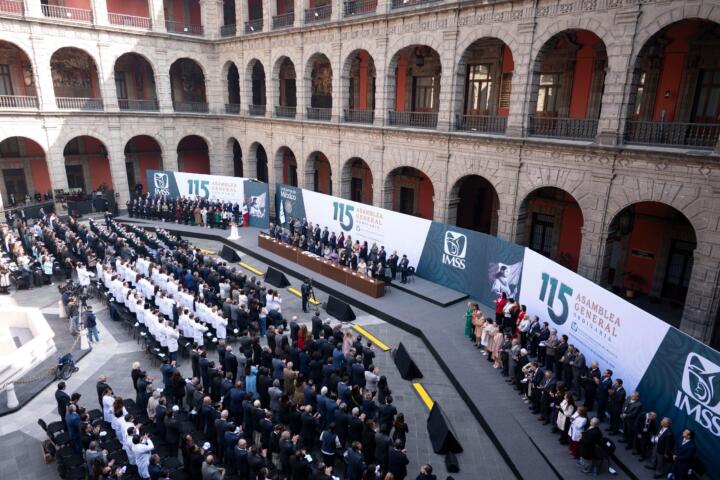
142 452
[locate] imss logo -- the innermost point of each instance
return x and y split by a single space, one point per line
700 394
454 249
162 183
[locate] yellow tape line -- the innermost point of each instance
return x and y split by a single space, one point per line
297 292
251 268
208 252
371 337
423 395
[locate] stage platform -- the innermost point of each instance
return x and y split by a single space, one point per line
429 291
529 448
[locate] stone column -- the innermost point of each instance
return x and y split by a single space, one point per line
618 78
55 158
106 77
33 9
447 77
703 296
268 9
164 95
211 14
240 16
299 13
382 96
337 96
100 13
594 234
522 78
157 15
383 6
118 171
42 73
214 85
336 13
169 146
440 190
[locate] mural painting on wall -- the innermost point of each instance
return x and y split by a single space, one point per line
72 69
322 80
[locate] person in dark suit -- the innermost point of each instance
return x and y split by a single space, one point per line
393 264
354 461
663 446
63 400
604 389
398 461
631 409
644 430
404 266
231 363
547 395
684 455
101 386
616 400
589 444
590 385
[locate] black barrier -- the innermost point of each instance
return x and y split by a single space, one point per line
451 463
229 254
340 310
276 278
408 369
442 437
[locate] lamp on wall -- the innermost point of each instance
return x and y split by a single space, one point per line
668 93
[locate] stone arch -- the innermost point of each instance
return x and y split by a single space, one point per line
230 79
356 182
568 22
87 163
284 81
470 36
142 153
235 155
149 59
473 203
362 98
319 90
62 75
550 221
188 84
318 172
257 166
410 190
256 82
405 65
30 171
193 153
649 252
286 166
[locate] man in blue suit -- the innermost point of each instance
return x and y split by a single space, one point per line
604 390
684 454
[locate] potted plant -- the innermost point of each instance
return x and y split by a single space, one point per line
633 283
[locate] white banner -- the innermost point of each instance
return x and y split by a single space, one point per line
396 231
602 325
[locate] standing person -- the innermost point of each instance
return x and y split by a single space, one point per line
478 322
393 264
616 402
500 307
663 446
47 267
142 449
90 322
468 320
577 427
589 445
604 390
645 430
305 292
63 400
404 267
684 454
398 461
631 410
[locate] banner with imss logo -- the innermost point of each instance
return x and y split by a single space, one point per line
222 188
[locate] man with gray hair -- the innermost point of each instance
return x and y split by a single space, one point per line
589 446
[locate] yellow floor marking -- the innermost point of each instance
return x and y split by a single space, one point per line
424 396
297 292
371 337
208 252
251 268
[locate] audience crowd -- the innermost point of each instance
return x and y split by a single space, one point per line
558 384
306 403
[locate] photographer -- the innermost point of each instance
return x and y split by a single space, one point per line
306 290
90 322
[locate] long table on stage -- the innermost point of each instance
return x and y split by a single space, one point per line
367 285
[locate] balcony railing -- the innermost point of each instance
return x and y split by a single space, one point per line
318 14
72 103
257 110
700 135
183 28
481 123
138 105
129 20
254 26
319 114
283 21
68 13
232 108
409 3
413 119
18 101
191 107
359 116
12 7
353 8
285 112
561 127
228 30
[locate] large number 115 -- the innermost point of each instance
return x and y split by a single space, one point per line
195 186
562 295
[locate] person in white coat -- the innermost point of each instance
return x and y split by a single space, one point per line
172 335
142 449
83 275
108 400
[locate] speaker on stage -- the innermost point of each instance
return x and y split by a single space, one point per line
442 437
276 278
451 463
340 310
229 254
408 369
